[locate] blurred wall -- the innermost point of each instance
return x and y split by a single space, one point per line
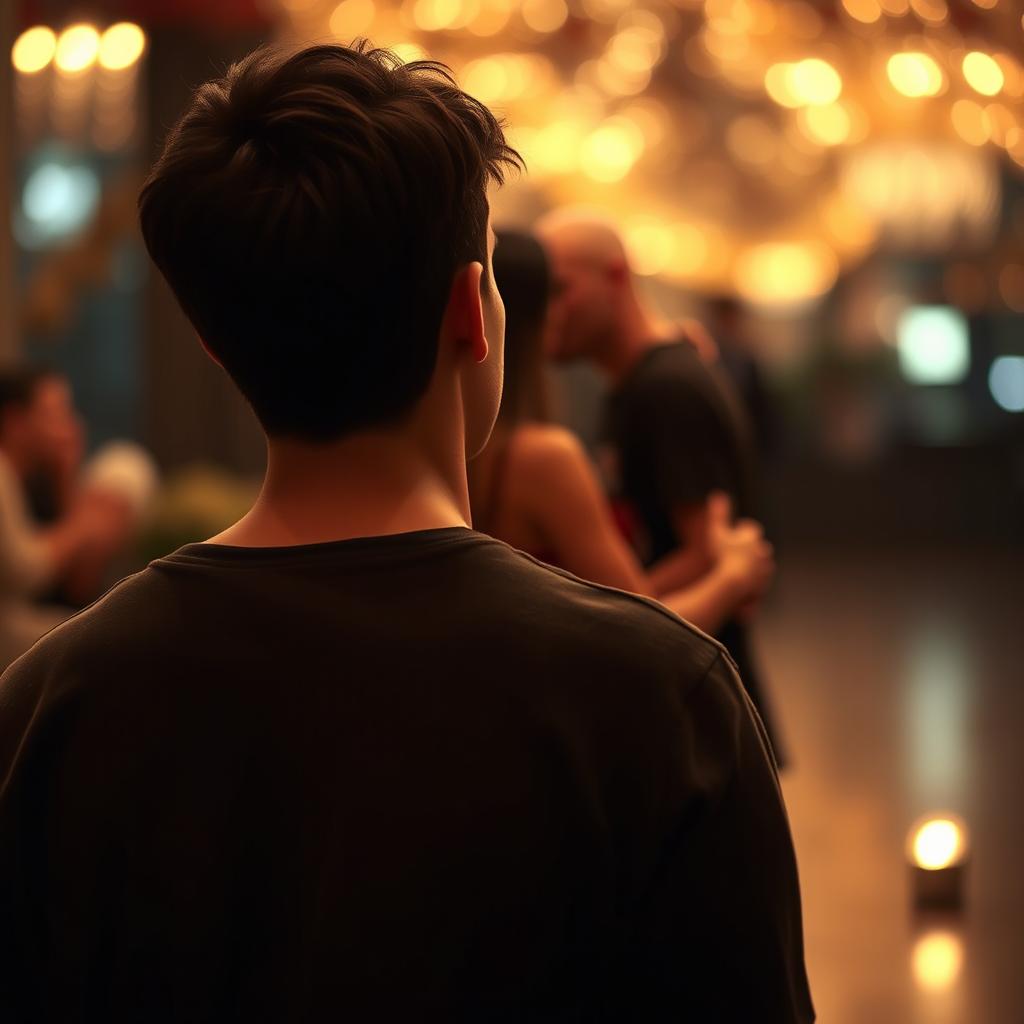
8 345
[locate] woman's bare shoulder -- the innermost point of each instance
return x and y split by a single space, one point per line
544 444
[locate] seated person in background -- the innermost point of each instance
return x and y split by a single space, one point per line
534 487
41 437
350 759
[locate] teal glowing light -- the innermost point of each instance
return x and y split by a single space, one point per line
933 345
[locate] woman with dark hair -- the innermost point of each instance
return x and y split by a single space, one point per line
534 486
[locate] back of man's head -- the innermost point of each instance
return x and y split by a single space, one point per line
310 211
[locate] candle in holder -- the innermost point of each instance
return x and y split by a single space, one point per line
937 849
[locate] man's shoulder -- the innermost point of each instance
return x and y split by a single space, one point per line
123 620
599 624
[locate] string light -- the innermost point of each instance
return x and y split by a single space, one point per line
33 49
77 48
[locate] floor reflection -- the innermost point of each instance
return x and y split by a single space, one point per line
899 680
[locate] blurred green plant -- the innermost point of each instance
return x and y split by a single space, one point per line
194 503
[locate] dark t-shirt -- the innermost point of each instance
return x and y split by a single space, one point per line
418 777
678 433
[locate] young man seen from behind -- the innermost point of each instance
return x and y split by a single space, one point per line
350 758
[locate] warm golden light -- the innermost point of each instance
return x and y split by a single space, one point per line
814 81
971 122
933 12
937 959
545 15
784 273
982 72
486 79
33 49
610 151
650 245
752 140
77 48
828 125
897 8
915 74
434 15
121 45
606 10
353 18
636 49
777 85
938 844
491 18
866 11
408 52
689 250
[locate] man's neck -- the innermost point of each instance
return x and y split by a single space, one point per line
367 485
636 334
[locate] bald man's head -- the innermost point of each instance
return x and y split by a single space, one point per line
584 234
592 281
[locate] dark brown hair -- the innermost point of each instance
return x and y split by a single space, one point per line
310 210
523 276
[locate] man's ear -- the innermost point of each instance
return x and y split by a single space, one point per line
464 317
209 351
618 272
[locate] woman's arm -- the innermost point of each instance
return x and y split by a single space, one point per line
564 500
569 510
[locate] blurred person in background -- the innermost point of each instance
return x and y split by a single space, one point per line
727 321
42 444
676 433
349 758
534 487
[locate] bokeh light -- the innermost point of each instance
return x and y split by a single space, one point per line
77 48
121 45
983 73
34 49
1006 382
353 18
785 273
934 348
915 74
938 843
937 960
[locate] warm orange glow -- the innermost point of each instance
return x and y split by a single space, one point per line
77 48
971 122
784 273
752 140
828 125
866 11
982 72
491 18
545 15
777 85
33 49
121 45
650 245
933 12
915 74
353 18
937 959
610 151
938 843
815 81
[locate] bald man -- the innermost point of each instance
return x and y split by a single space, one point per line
674 430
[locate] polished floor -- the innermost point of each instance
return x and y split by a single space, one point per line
899 679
